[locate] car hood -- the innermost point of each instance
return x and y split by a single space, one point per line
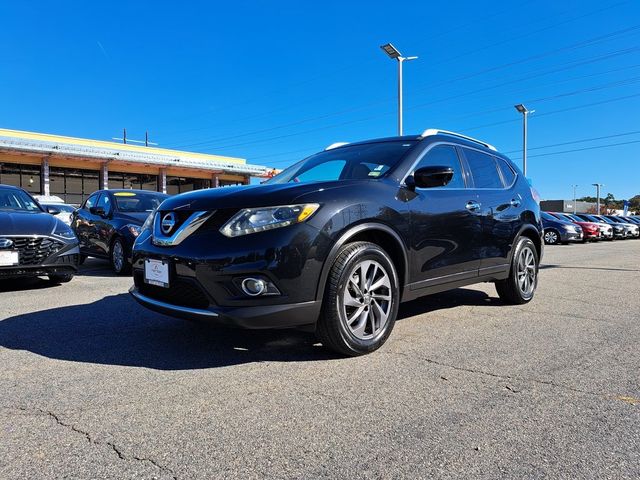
26 223
250 195
589 225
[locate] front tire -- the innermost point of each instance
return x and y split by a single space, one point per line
361 300
521 284
551 237
118 257
61 277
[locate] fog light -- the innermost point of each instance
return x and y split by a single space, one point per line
254 286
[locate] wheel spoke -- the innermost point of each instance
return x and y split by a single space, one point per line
355 315
372 277
356 287
361 325
350 301
381 313
381 282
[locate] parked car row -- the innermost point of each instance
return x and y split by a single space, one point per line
583 227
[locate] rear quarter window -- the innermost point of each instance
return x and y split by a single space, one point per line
484 169
508 175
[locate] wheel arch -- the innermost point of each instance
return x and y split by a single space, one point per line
380 234
533 234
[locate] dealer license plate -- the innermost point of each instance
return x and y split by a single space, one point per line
8 258
156 272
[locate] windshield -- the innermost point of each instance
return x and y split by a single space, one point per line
133 202
63 207
13 199
575 218
564 217
548 216
356 162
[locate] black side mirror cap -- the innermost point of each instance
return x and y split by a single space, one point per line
430 177
97 211
52 210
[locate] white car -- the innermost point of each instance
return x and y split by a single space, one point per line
53 201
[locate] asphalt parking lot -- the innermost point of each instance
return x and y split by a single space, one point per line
94 386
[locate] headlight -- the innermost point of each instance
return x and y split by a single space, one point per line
148 223
133 229
63 230
571 228
252 220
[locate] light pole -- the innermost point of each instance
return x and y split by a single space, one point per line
598 185
393 53
525 113
575 208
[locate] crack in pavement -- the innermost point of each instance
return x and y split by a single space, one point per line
502 376
92 441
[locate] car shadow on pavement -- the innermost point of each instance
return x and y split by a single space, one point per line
446 300
25 283
116 331
96 267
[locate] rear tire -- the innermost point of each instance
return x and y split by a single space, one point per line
520 286
361 300
61 277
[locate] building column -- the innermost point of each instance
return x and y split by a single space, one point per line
162 180
104 176
215 181
247 180
45 187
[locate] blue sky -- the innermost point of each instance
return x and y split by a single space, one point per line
275 81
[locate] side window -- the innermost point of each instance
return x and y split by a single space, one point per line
483 169
446 156
508 175
91 202
104 202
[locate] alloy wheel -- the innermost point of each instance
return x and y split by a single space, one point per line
366 299
526 271
117 256
551 237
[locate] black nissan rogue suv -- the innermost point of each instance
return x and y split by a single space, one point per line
339 239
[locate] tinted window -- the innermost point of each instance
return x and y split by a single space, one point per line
91 202
104 202
445 156
507 172
364 161
483 169
546 216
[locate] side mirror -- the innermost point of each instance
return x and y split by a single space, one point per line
52 210
430 177
97 211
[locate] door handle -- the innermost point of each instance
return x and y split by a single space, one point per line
515 202
472 206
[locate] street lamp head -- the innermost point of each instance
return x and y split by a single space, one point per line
411 58
390 50
521 108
